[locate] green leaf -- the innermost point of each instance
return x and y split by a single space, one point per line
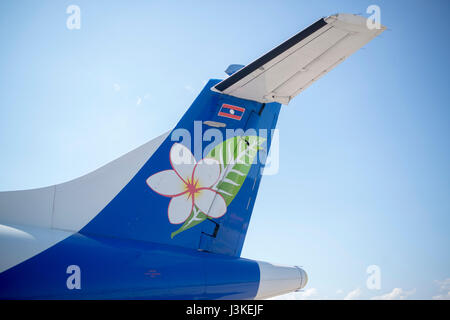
235 156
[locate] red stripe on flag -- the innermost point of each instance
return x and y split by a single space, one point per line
229 106
228 115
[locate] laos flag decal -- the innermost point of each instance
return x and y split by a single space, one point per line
232 112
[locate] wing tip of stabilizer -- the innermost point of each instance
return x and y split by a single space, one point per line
288 69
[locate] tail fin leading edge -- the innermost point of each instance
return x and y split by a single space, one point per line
204 203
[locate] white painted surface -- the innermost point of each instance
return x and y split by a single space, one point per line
19 243
29 207
33 220
292 71
78 201
277 280
71 205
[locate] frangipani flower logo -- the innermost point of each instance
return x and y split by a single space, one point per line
203 190
189 185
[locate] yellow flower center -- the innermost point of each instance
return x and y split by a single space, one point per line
191 187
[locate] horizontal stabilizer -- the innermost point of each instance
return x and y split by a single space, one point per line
287 70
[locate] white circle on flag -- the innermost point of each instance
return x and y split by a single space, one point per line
231 111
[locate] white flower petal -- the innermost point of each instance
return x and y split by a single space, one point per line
180 208
207 172
166 183
211 203
182 161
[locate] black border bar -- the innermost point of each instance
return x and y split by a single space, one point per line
270 55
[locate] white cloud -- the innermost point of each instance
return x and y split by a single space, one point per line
116 87
444 296
308 294
352 295
444 285
444 288
340 291
189 88
139 100
395 294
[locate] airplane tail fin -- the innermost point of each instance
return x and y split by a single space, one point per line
193 187
196 186
199 187
202 197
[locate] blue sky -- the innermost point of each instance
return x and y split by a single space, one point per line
364 152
